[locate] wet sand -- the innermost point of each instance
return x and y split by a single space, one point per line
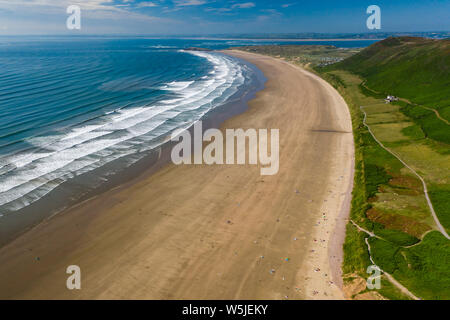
211 232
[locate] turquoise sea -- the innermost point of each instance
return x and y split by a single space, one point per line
69 106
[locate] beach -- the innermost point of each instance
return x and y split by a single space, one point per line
211 232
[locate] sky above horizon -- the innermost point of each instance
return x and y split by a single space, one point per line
220 16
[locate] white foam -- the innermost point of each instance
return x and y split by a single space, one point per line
117 134
177 85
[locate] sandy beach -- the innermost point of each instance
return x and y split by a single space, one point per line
211 232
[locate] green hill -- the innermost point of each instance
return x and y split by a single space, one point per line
416 128
416 69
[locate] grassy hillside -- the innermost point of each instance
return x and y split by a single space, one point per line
388 200
417 69
417 129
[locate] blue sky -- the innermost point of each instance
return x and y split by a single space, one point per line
220 16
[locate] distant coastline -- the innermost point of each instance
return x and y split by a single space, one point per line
307 36
284 39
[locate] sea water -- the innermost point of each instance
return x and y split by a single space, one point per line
69 106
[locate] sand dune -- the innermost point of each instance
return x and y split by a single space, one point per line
211 232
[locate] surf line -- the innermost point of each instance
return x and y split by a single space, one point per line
235 143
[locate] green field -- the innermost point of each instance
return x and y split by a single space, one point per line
314 55
413 68
388 199
420 268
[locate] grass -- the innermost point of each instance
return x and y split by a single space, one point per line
440 195
413 68
391 292
421 268
374 168
413 132
431 125
416 141
384 253
398 222
385 117
388 199
355 243
395 207
389 132
403 201
394 236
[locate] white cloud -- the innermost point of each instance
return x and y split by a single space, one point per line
271 11
98 17
230 10
245 5
287 5
147 4
269 14
183 3
84 4
218 9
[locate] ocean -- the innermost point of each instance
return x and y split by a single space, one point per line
77 111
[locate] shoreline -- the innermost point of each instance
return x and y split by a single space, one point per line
331 255
288 40
68 195
199 232
337 239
